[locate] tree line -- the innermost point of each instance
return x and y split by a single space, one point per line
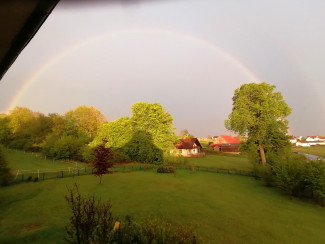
144 137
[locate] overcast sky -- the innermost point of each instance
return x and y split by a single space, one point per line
187 55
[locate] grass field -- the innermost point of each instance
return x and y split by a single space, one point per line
315 150
27 161
218 161
225 208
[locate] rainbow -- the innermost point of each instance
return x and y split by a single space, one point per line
55 59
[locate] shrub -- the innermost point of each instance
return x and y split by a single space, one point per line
64 147
36 179
295 176
91 220
29 178
154 231
264 173
119 157
5 175
288 176
166 169
87 154
314 181
142 149
174 160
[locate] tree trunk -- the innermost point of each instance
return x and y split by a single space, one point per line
262 154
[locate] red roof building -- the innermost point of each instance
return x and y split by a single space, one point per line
189 147
225 139
225 143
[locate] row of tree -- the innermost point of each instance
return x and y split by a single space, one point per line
143 137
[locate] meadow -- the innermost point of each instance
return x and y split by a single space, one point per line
221 161
20 160
314 150
224 208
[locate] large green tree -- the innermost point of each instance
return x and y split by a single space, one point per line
155 120
116 133
149 131
88 119
260 113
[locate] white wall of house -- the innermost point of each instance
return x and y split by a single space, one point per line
312 139
302 144
316 143
310 143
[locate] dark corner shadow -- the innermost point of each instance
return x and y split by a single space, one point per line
141 148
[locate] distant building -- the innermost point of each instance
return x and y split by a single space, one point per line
225 143
189 147
293 140
315 138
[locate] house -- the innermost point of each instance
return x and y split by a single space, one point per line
315 138
302 144
225 143
293 140
310 143
189 147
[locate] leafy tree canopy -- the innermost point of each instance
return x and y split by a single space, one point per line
154 119
147 133
183 133
20 118
260 113
117 133
88 119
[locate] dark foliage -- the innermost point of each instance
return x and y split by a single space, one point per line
5 175
91 220
65 147
142 149
166 169
295 176
102 161
150 231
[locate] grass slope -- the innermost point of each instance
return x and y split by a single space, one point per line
27 161
218 161
225 208
315 150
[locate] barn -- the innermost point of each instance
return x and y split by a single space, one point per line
226 143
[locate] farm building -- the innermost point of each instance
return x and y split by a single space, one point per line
225 143
231 148
189 147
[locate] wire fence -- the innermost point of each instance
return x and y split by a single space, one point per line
218 170
45 174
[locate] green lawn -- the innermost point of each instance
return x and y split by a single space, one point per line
225 208
27 161
315 150
218 161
